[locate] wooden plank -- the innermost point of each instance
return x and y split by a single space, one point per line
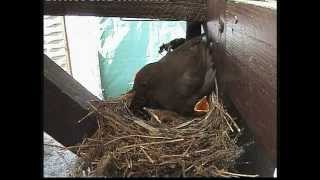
191 10
244 37
65 103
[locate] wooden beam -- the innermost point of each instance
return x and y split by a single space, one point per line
65 102
191 10
245 50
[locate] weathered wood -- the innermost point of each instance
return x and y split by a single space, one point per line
65 103
191 10
245 50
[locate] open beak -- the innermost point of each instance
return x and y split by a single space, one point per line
202 105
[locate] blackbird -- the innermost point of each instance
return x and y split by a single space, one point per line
179 82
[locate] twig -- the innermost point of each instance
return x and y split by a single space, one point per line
146 126
197 162
81 144
227 114
149 158
225 132
90 139
168 162
184 124
237 174
234 123
109 118
203 150
152 137
228 124
152 143
222 111
212 108
51 145
86 116
183 166
189 147
92 106
216 85
174 155
191 166
128 162
125 171
99 129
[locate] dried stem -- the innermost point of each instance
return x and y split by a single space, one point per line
149 158
152 137
216 85
238 175
146 126
85 117
152 143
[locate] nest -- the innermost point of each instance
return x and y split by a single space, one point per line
168 145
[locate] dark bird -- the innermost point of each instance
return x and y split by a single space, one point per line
179 82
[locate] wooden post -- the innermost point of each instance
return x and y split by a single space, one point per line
65 103
245 52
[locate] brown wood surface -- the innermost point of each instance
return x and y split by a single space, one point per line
246 59
192 10
65 103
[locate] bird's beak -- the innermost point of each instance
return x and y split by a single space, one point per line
202 105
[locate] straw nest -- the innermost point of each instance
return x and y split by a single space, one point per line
167 145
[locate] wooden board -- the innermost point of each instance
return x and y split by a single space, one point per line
244 43
65 103
191 10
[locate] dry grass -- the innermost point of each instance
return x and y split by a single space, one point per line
168 145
